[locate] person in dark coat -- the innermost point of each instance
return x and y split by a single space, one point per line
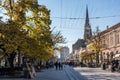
113 66
56 65
61 65
104 66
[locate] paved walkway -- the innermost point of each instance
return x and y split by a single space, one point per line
68 73
52 74
98 73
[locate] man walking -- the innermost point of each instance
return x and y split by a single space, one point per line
56 65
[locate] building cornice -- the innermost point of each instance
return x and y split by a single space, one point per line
110 29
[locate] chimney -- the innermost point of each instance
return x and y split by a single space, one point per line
107 27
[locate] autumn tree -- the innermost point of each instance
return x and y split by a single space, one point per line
27 30
95 47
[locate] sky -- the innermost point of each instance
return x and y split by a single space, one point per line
102 13
68 16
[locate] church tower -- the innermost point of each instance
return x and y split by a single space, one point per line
87 27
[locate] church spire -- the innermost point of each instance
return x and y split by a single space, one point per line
87 27
87 15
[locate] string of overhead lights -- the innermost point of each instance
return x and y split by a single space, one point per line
73 18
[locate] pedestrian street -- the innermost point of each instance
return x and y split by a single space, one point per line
73 73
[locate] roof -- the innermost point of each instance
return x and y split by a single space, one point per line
111 28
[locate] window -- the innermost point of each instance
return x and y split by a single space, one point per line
117 38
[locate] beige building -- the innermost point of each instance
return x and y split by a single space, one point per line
105 46
111 40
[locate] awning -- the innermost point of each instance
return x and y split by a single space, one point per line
117 55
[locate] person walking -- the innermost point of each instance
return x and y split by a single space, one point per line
56 65
59 65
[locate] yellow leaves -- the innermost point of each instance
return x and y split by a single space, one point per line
1 35
10 48
13 38
37 41
92 47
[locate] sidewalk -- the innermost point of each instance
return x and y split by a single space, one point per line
68 73
51 74
46 74
97 74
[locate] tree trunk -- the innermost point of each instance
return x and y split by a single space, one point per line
19 59
11 59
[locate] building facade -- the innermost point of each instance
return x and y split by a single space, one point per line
64 53
80 43
110 38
